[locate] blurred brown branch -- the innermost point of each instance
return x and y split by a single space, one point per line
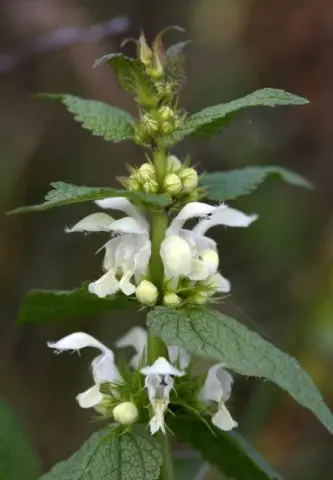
62 38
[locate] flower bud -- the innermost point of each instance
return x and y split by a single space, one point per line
150 124
167 90
157 71
192 196
150 186
166 127
141 136
144 51
132 184
125 413
172 300
146 172
200 298
146 293
173 163
172 184
189 178
166 113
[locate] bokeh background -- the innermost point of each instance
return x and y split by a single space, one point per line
281 268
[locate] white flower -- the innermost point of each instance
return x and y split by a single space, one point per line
137 338
103 366
126 255
159 383
217 388
191 253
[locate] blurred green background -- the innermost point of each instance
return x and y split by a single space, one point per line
281 268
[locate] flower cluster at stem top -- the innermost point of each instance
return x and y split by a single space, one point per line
140 392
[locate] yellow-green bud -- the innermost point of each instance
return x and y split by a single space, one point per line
144 51
189 178
146 172
140 136
200 298
146 293
132 184
192 196
166 113
155 73
157 70
173 163
172 184
166 127
172 300
125 413
150 186
167 89
150 124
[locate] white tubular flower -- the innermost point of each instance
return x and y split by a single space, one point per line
136 337
127 254
191 253
103 366
176 255
159 383
217 388
179 356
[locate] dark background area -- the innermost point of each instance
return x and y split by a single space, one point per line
281 268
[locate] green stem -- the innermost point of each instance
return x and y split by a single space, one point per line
155 346
160 163
167 472
159 222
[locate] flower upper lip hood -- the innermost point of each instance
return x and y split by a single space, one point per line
103 366
127 254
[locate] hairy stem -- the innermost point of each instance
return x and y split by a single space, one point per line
156 347
167 472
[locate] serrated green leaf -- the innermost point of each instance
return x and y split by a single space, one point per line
66 194
134 455
101 119
41 306
17 458
131 75
174 63
223 186
211 334
211 119
228 451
